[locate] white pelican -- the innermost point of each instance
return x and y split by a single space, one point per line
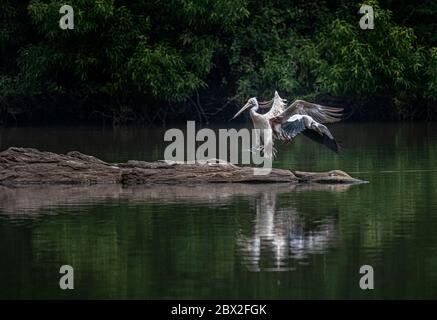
300 117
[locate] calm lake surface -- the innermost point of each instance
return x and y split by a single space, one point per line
228 241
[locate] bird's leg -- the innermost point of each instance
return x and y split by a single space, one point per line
274 152
256 146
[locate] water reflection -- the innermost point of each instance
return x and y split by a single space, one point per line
30 200
277 237
196 242
282 236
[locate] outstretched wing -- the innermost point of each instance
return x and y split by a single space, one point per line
319 113
277 106
311 129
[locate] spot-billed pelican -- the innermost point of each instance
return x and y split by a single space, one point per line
300 117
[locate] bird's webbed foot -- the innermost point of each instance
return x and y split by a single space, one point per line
261 150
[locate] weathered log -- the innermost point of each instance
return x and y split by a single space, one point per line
330 177
27 166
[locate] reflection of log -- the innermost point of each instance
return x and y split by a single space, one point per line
26 166
34 198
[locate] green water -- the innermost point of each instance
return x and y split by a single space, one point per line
228 241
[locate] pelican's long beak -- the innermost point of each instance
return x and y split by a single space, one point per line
247 105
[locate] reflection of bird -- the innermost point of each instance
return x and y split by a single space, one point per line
300 117
282 237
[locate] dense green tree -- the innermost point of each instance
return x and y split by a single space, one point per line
124 58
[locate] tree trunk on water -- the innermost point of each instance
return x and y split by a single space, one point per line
27 166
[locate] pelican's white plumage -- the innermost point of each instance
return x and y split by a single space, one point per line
286 123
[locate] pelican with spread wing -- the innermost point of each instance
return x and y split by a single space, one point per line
286 123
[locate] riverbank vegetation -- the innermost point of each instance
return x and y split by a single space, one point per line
158 61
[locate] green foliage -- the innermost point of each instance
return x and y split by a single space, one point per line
166 52
162 72
431 73
357 61
115 49
340 59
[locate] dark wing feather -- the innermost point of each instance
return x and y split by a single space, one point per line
325 140
319 113
293 128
